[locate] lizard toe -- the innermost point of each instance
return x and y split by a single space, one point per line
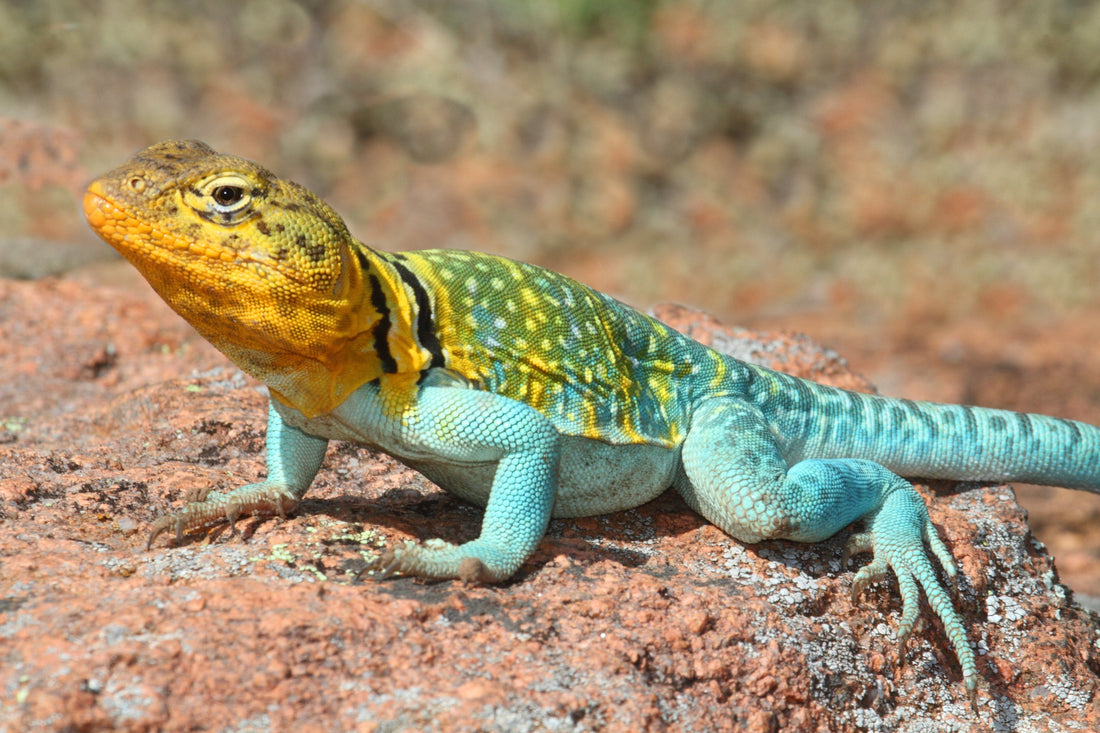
872 572
252 499
168 521
857 544
472 562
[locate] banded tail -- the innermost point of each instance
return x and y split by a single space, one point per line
932 440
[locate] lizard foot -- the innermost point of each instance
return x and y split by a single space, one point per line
897 536
247 500
435 559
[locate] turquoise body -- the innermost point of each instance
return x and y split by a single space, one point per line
598 368
546 398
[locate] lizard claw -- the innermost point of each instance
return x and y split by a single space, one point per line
163 523
386 565
196 515
899 534
857 544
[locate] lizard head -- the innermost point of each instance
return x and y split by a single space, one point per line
260 266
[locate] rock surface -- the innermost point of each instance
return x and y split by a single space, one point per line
111 410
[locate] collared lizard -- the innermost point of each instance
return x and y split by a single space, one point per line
534 396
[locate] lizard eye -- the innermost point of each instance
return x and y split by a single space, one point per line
226 199
228 195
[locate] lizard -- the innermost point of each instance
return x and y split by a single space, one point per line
534 396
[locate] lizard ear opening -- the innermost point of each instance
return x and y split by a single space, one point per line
342 282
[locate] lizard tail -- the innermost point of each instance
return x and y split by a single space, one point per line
931 440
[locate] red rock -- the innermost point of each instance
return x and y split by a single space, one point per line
649 619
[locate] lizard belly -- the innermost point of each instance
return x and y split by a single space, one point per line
597 478
594 477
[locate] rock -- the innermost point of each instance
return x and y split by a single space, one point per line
33 257
650 619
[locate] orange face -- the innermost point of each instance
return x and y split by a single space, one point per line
261 267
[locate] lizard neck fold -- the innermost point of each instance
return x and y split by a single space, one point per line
389 336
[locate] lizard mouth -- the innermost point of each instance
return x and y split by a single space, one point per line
95 198
120 229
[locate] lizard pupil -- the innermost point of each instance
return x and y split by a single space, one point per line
227 195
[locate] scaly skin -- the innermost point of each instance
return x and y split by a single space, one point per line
535 396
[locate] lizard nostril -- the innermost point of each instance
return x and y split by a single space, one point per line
138 184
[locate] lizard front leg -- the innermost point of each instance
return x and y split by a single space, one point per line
734 474
471 427
293 459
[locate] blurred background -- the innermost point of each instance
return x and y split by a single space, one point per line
914 184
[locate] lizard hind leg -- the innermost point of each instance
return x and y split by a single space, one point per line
734 473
